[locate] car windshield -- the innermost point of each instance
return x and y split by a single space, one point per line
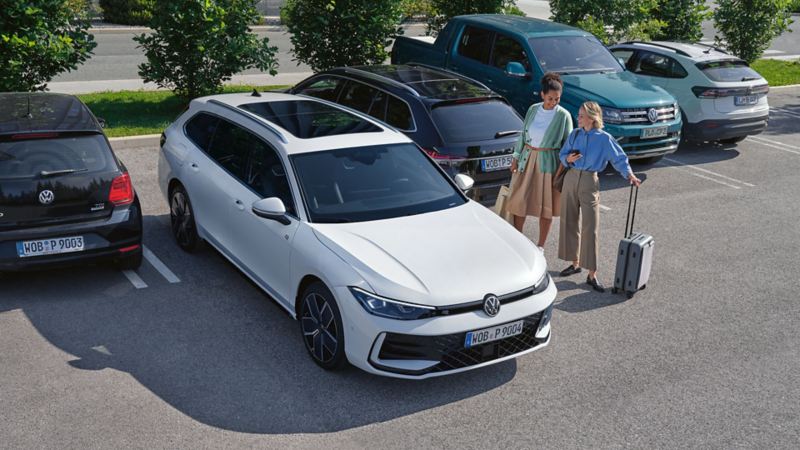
573 54
474 121
22 158
728 70
372 183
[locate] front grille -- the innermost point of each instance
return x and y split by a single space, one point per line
449 349
639 115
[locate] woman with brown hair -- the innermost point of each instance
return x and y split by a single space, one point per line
535 160
587 151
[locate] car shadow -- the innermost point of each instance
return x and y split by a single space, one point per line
780 122
216 348
587 300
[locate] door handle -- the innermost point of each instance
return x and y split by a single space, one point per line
239 205
195 167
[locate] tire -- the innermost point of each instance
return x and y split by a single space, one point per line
321 327
129 262
734 140
647 161
629 294
181 215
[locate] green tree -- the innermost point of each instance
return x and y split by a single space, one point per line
609 20
747 27
444 10
330 33
128 12
40 39
196 45
683 19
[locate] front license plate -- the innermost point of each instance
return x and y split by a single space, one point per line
53 246
742 100
650 133
493 333
498 163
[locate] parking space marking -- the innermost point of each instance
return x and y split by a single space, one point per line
695 174
135 280
160 266
785 112
700 169
605 208
774 144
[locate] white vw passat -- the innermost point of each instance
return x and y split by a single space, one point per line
357 233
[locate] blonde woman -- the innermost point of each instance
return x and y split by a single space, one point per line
535 160
587 151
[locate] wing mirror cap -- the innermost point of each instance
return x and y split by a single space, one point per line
464 182
516 70
271 208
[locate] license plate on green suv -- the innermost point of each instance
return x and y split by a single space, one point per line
651 133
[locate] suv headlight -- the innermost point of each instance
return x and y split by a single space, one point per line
611 115
677 111
542 284
391 309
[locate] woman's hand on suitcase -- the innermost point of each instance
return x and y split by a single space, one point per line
635 181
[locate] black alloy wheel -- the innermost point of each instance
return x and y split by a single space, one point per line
321 325
181 218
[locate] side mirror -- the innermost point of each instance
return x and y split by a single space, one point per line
102 122
516 70
271 208
464 182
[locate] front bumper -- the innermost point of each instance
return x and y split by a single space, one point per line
435 347
629 138
714 130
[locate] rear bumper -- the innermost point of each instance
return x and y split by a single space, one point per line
103 240
713 130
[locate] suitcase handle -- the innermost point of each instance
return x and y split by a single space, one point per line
630 218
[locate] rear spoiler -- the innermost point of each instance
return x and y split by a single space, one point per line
460 101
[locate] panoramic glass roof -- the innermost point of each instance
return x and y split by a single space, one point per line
309 119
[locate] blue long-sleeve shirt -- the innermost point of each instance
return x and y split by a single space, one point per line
598 149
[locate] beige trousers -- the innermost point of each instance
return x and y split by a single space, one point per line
580 218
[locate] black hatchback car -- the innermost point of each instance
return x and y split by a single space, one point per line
65 198
459 122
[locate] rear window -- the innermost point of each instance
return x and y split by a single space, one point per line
44 158
729 70
474 121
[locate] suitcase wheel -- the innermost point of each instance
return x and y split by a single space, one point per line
644 286
629 294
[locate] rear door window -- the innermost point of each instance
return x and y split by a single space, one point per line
475 121
398 114
364 98
476 44
728 70
200 128
507 50
22 158
326 88
657 65
230 147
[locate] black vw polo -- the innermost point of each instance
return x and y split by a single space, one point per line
65 198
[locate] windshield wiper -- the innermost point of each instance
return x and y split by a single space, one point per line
55 173
500 134
750 78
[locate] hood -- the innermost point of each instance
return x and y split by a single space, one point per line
618 90
442 258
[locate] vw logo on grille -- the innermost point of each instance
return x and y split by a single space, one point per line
491 305
46 197
652 115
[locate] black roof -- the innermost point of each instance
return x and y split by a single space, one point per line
308 119
44 111
419 80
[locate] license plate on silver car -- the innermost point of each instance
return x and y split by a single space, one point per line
493 333
742 100
50 246
497 163
657 132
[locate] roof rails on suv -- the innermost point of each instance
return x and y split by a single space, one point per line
382 79
456 74
654 44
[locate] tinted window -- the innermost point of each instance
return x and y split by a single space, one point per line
398 114
656 65
27 159
309 119
200 128
731 70
322 87
507 50
573 54
475 44
229 148
372 183
624 55
465 122
364 98
266 175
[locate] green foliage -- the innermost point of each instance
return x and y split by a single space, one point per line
444 10
38 40
683 19
748 27
609 20
411 8
794 6
198 44
128 12
331 33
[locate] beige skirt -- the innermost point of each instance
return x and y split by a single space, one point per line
532 193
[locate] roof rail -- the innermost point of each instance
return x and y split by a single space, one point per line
680 52
250 115
711 47
462 76
372 76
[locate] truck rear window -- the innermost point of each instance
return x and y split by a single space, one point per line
474 121
41 158
728 70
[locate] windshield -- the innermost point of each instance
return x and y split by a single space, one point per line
728 70
43 158
573 54
372 183
475 121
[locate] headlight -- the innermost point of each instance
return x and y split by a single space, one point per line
611 115
677 111
391 309
542 284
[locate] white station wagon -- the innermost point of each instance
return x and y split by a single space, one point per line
356 232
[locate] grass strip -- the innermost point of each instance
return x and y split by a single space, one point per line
778 72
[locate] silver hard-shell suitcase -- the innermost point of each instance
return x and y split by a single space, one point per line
635 256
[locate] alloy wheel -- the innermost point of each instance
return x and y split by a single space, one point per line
320 328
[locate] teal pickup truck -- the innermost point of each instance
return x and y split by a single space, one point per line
509 54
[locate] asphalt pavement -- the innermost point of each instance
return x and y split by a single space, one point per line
708 356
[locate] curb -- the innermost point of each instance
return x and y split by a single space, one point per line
126 142
784 87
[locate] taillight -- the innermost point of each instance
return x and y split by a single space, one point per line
121 190
706 92
440 158
711 92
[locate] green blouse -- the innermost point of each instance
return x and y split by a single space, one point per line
554 137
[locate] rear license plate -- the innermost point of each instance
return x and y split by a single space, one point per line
53 246
650 133
742 100
497 163
493 333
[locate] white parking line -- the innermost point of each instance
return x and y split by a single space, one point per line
135 280
605 208
684 169
700 169
785 112
774 144
160 266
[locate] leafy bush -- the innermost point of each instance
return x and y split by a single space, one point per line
38 40
196 45
610 20
794 6
128 12
330 33
444 10
747 28
412 8
683 19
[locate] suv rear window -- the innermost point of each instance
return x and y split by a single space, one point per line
728 70
40 158
474 121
